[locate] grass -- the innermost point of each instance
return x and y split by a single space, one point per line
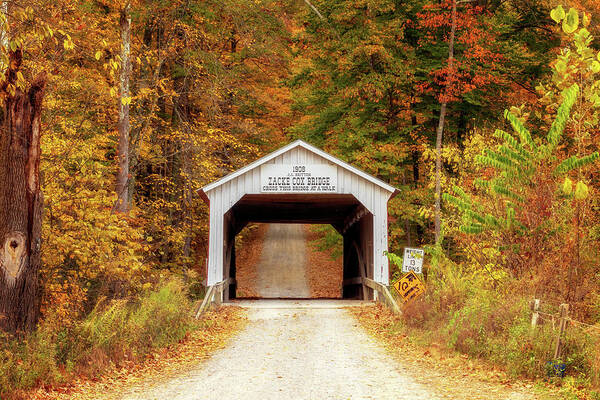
466 314
113 333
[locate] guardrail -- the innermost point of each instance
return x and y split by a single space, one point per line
216 289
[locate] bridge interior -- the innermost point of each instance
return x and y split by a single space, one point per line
343 211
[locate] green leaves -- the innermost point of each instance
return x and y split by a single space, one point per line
471 229
571 21
519 128
574 162
581 191
557 14
562 115
567 186
561 66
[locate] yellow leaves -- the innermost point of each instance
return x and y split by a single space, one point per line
29 12
98 54
558 14
113 91
125 100
68 43
13 45
571 21
581 191
567 186
587 19
49 31
20 80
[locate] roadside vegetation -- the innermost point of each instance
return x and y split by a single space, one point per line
129 107
116 334
521 225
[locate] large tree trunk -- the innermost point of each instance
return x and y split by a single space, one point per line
440 133
122 186
20 202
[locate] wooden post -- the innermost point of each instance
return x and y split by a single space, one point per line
382 293
214 294
563 315
210 292
535 306
362 268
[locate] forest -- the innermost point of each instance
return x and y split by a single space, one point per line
484 113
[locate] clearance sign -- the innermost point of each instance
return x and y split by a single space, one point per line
298 178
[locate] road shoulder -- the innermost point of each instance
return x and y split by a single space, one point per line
215 331
449 375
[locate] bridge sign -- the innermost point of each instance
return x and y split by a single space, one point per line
413 260
298 178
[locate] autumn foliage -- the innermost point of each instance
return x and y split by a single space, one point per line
215 84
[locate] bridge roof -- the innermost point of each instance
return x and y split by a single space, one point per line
290 147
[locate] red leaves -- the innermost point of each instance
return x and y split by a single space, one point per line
476 63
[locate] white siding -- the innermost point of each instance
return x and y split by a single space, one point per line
223 197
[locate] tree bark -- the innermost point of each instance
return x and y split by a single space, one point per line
440 132
21 201
415 156
122 183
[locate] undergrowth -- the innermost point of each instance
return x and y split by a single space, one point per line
492 321
115 331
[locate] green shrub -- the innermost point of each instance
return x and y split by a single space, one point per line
527 350
159 320
494 323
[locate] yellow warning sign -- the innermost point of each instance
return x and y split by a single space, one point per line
410 286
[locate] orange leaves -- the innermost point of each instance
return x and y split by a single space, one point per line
477 62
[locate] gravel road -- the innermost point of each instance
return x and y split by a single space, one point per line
294 351
282 269
299 349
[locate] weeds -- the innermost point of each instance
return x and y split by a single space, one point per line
471 316
113 332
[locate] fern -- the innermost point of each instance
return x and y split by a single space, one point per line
512 142
562 115
515 156
476 216
518 126
515 163
472 229
497 161
503 190
574 162
482 183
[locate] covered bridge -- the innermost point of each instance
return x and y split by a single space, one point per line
300 183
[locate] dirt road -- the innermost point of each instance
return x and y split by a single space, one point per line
294 353
301 349
282 270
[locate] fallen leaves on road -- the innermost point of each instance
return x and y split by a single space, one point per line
323 272
247 261
215 330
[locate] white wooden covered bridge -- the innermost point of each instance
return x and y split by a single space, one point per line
300 183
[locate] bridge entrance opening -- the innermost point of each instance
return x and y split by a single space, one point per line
288 261
300 184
